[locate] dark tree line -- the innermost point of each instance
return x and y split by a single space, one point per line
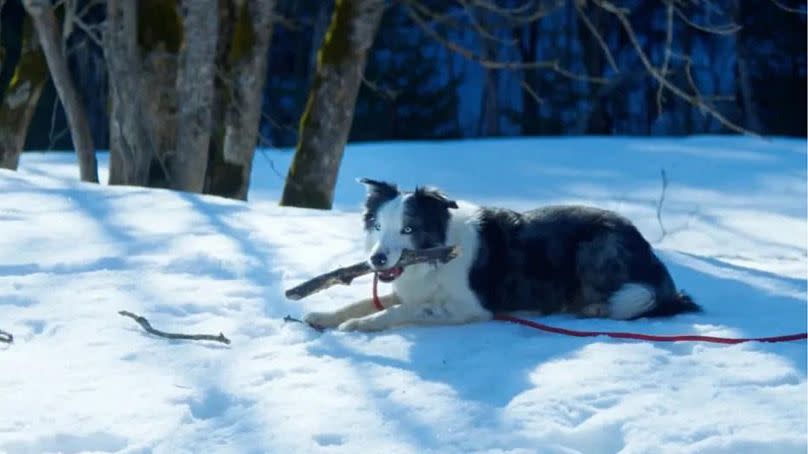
770 45
181 91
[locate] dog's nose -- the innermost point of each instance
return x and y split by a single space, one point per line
378 260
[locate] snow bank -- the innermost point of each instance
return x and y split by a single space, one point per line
80 378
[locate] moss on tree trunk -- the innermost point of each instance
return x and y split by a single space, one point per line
21 97
242 63
326 121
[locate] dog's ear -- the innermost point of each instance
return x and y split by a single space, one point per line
381 188
436 194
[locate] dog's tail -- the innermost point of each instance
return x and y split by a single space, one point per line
678 303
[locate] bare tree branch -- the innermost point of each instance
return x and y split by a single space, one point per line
592 29
53 136
47 28
622 16
481 30
518 15
787 8
386 93
726 29
667 57
529 90
276 124
6 337
552 65
148 328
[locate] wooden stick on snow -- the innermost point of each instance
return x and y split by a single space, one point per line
347 274
148 328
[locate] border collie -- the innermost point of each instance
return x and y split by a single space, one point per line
558 259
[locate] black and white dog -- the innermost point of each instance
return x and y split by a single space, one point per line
559 259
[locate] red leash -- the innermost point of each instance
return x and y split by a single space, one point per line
648 337
617 334
376 302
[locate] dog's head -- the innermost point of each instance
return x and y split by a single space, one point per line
396 220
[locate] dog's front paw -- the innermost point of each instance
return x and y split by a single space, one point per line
360 324
322 319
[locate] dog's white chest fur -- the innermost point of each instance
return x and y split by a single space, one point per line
443 292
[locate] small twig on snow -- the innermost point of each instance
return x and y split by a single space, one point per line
289 318
349 273
661 201
6 337
147 326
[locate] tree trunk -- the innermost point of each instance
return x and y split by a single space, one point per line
141 43
195 76
21 97
244 70
752 120
128 161
47 29
326 122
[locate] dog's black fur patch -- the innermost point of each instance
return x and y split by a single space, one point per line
427 213
379 193
563 258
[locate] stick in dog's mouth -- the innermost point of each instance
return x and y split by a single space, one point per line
346 275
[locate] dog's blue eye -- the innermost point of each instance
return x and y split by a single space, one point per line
377 226
406 230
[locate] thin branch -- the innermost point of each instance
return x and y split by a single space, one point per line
6 337
481 30
434 17
690 79
277 124
515 15
726 29
667 57
660 203
271 162
503 11
291 319
289 23
387 93
494 64
529 90
347 274
88 30
788 8
598 37
52 135
148 328
696 101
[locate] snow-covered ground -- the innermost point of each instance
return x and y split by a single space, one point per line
81 378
